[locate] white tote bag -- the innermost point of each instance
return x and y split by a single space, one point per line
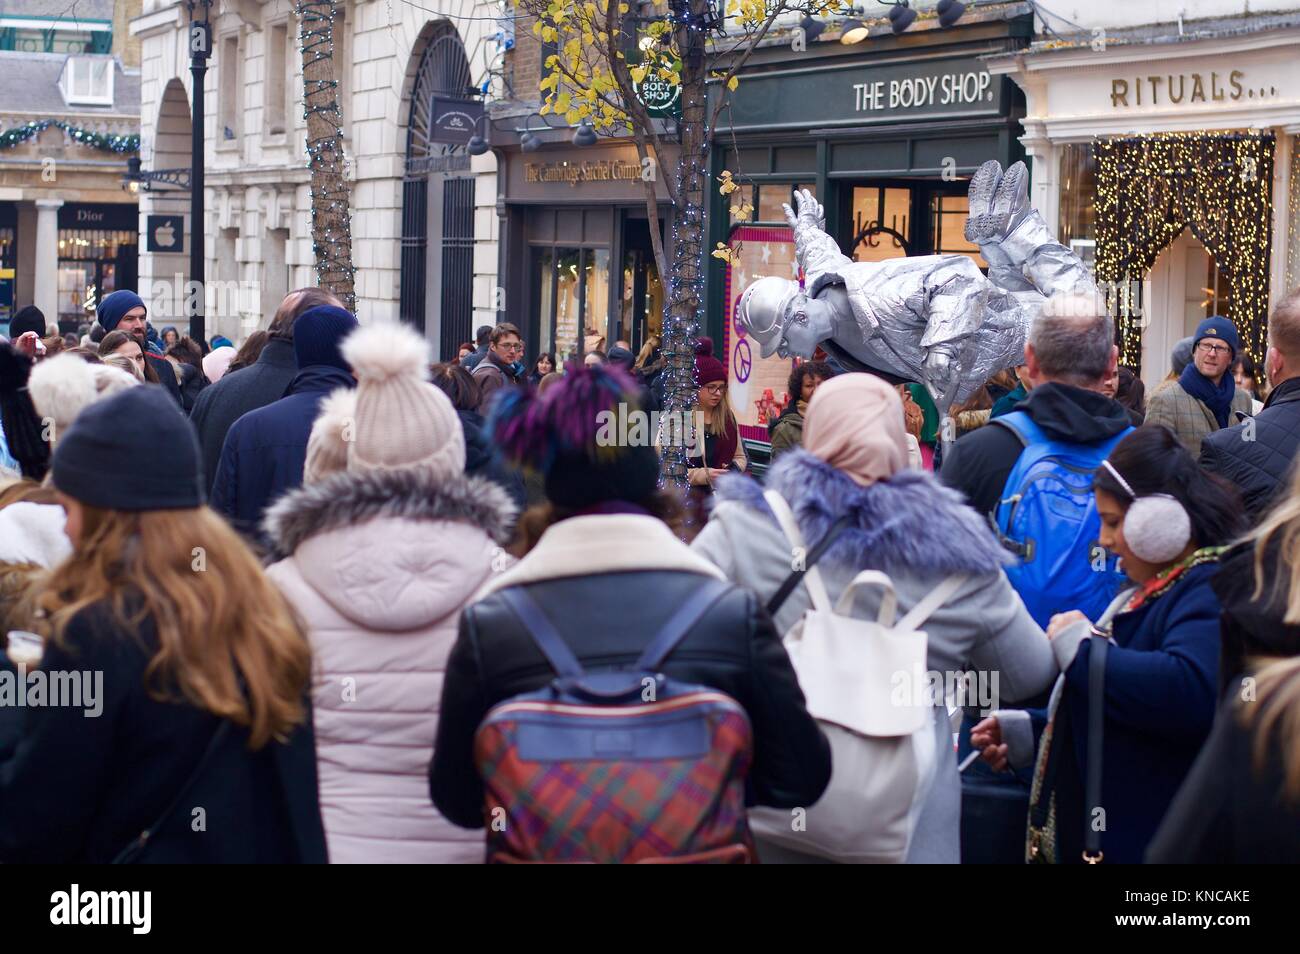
864 681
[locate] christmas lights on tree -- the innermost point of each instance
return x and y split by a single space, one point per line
331 229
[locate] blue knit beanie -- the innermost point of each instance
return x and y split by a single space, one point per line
1221 329
115 305
318 333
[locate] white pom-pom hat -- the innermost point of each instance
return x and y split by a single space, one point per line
401 419
63 386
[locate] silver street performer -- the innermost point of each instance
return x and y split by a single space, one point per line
934 319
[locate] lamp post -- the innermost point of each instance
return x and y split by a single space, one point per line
200 50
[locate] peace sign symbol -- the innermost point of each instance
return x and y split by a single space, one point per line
742 361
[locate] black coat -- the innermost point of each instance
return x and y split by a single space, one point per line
78 789
219 405
1230 811
166 377
1256 455
1252 625
192 386
980 462
607 620
266 449
482 460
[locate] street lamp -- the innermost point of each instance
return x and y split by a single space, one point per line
200 50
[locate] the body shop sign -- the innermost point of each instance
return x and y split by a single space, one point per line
855 94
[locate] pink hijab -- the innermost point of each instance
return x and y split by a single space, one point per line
854 422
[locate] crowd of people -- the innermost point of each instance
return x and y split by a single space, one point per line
337 602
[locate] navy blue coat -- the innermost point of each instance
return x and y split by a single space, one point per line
1161 693
265 450
238 392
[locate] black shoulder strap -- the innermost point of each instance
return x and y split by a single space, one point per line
1096 726
141 841
812 556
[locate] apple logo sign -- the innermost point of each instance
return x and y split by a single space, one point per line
165 235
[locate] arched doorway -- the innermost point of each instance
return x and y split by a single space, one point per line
437 270
159 287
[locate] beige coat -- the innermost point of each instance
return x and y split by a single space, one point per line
1189 418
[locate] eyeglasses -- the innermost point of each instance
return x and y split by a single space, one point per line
517 346
714 388
1211 347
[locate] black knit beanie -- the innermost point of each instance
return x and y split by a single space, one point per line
134 451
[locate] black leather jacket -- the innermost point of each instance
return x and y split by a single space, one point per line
607 619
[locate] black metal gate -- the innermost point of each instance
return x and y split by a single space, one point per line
448 260
457 264
415 215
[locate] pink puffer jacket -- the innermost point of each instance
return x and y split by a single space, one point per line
381 566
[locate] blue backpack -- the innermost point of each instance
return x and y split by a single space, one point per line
1048 518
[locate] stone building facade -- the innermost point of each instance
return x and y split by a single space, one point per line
257 231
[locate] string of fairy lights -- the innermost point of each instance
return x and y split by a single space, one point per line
105 142
684 312
331 228
1219 185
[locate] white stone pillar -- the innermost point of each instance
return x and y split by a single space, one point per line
46 296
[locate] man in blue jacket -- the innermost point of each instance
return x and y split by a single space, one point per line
264 452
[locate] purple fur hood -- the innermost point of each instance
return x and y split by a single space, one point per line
910 521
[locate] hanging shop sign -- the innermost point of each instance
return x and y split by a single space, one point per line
855 94
455 120
99 215
165 233
659 97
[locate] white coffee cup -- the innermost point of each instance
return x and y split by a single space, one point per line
25 649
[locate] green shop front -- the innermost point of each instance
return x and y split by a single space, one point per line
885 134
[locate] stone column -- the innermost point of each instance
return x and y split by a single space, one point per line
46 296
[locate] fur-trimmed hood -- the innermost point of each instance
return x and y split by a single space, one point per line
347 499
387 551
909 521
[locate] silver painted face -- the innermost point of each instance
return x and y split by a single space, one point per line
806 324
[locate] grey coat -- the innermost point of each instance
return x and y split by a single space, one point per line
918 532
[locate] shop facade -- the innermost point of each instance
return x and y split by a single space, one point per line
577 266
1166 158
885 134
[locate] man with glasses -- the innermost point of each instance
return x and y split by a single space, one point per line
1205 398
502 365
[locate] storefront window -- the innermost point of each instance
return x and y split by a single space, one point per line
881 229
948 215
544 269
568 282
89 265
772 197
1078 227
596 301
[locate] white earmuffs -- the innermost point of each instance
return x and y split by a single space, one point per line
1156 526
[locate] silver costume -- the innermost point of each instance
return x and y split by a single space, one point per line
934 319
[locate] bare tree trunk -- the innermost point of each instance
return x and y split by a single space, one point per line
330 219
686 278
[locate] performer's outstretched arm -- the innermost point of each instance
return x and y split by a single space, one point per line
816 251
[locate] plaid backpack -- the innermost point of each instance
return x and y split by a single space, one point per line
616 766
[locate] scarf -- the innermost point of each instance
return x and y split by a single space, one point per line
1218 398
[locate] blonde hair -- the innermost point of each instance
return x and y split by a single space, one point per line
1275 719
716 420
123 363
228 642
1281 525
